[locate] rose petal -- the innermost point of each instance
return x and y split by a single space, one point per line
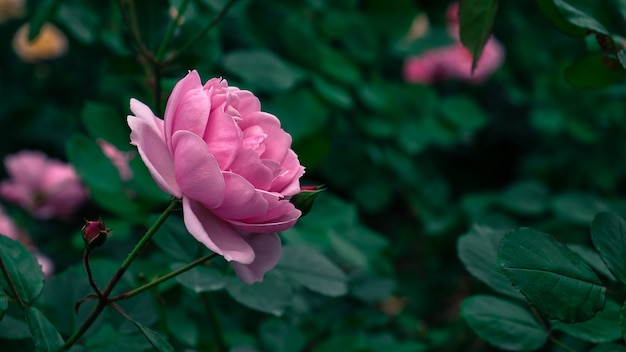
147 135
267 248
247 103
223 137
196 171
287 182
187 108
281 215
249 166
241 200
216 234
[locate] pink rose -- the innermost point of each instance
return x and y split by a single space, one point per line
231 164
454 61
118 158
45 187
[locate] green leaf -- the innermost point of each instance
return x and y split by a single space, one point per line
476 18
312 270
478 250
80 20
181 326
372 289
621 57
94 168
4 304
201 278
270 296
609 347
552 277
463 113
103 121
13 329
592 257
551 11
334 65
23 269
604 327
174 239
503 324
578 17
45 335
279 336
578 208
158 341
332 93
608 234
261 70
44 11
526 198
594 71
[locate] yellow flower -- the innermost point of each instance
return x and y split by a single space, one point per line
49 44
11 9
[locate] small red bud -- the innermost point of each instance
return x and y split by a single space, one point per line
94 233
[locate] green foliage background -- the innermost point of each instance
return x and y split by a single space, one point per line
409 168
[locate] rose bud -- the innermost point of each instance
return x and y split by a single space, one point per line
94 233
303 201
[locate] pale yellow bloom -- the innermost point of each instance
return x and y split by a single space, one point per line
49 44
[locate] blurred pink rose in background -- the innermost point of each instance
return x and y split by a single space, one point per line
231 164
454 61
9 229
45 187
118 158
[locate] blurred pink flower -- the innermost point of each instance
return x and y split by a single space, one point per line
47 266
118 158
9 229
45 187
231 164
454 61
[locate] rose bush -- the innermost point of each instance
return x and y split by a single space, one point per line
231 164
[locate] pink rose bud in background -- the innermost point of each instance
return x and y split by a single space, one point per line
45 187
9 229
118 158
231 164
454 61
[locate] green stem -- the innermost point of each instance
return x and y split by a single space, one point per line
7 277
86 324
144 240
170 31
104 299
215 324
131 21
200 34
161 279
92 283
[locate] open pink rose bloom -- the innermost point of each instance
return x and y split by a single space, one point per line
231 164
454 61
45 187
